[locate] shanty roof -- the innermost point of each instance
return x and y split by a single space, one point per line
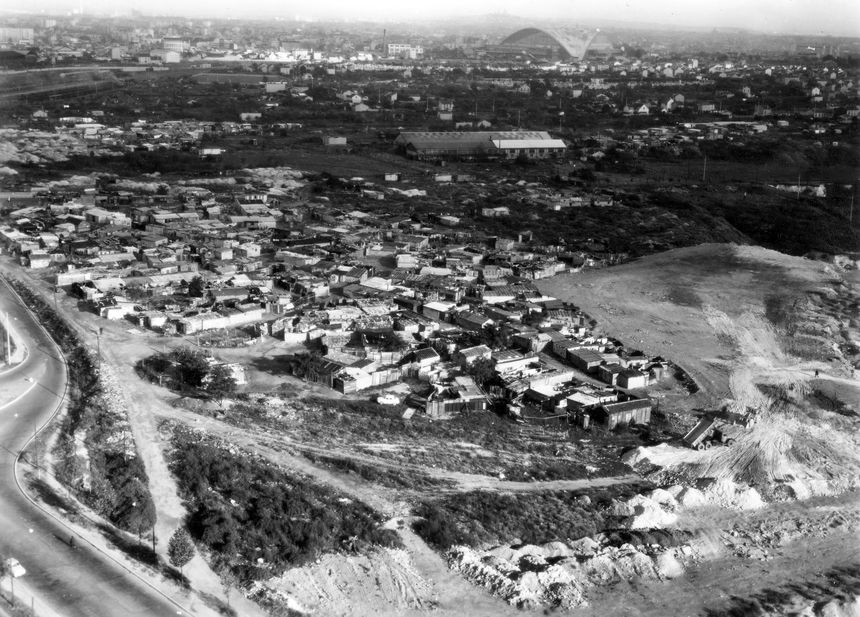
631 405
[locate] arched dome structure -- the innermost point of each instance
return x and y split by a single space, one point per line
556 43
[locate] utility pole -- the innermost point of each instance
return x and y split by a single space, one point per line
36 452
8 341
850 213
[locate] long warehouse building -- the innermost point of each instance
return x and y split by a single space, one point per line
480 144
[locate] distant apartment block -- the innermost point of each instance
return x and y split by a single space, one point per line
405 50
16 36
173 43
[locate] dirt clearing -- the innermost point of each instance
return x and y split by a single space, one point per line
657 303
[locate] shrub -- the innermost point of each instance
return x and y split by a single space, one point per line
245 510
119 487
180 549
482 518
439 528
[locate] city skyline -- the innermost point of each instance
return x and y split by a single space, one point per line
842 17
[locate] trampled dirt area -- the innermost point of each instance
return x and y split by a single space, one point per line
732 317
771 338
661 303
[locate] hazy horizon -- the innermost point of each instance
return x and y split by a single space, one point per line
839 18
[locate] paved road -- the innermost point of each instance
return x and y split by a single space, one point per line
75 582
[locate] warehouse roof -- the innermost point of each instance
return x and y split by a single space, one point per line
504 144
458 140
470 135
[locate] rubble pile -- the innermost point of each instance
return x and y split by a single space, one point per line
559 574
114 403
284 178
655 510
17 146
383 581
689 497
762 540
649 513
729 494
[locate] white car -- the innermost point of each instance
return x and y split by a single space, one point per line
14 567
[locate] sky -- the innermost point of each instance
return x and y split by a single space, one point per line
836 17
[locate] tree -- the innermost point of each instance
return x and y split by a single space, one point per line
134 509
220 382
102 496
191 366
229 580
196 287
493 337
180 549
138 293
483 370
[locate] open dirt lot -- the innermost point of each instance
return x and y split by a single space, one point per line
732 316
769 337
661 303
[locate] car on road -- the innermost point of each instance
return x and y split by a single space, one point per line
14 568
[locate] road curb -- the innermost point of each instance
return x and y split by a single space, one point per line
16 467
15 367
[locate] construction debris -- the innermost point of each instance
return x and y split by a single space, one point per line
559 574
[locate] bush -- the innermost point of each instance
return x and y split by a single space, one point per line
480 518
245 509
119 489
439 528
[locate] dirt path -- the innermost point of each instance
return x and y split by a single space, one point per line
142 410
454 595
471 482
120 354
278 451
282 447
